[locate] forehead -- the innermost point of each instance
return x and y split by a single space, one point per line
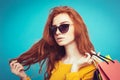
60 18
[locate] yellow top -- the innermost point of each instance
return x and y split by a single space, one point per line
62 72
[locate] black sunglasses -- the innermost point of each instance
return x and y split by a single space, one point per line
63 28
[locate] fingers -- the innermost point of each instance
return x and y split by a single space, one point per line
94 57
12 63
88 56
16 67
88 59
95 52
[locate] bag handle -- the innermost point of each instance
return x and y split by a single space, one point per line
103 58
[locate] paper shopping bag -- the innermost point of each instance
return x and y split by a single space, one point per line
110 70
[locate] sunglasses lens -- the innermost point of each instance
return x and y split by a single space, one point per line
53 30
64 28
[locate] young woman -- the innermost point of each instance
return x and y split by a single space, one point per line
65 48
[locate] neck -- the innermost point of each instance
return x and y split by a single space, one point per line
72 52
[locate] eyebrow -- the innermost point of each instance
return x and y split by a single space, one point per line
62 22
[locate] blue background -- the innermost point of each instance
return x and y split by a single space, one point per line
22 23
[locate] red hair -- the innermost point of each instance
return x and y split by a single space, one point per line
47 50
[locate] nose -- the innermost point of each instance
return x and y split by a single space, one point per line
58 31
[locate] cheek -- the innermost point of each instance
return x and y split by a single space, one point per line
70 35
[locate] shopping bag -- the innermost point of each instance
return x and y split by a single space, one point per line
109 70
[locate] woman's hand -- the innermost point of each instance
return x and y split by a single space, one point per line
18 69
83 61
96 59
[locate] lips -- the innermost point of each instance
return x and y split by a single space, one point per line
59 39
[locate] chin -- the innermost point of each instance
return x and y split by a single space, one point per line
61 44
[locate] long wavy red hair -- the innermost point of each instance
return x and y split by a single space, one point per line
46 49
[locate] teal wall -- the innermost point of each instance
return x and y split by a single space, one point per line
22 23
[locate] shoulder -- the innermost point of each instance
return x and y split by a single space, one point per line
88 68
